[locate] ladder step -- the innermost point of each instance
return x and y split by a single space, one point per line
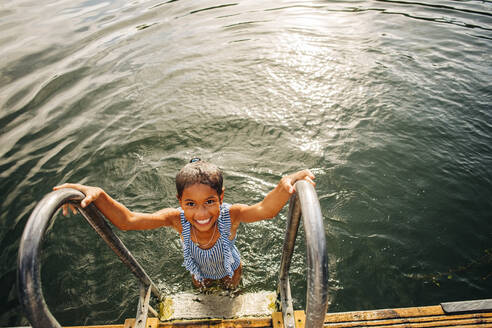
185 306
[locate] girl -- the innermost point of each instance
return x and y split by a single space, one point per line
206 225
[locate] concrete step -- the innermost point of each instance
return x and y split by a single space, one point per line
188 306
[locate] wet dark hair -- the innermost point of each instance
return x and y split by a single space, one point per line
198 171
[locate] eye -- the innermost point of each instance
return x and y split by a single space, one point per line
190 204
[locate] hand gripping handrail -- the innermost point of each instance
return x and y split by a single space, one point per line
28 272
305 202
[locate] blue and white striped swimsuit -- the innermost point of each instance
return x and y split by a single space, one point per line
220 260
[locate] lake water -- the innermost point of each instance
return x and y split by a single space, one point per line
389 103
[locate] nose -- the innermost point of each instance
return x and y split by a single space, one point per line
201 212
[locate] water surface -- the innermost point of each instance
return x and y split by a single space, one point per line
387 102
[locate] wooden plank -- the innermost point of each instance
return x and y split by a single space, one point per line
420 317
384 314
300 319
414 324
246 322
477 316
151 323
252 322
416 317
277 320
98 326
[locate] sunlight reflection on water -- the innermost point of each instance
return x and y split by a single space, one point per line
387 102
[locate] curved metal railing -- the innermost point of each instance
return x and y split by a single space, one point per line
305 202
28 272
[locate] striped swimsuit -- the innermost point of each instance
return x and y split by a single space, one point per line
220 260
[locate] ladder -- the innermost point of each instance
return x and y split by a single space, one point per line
304 203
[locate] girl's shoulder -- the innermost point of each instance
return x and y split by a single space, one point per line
177 221
234 212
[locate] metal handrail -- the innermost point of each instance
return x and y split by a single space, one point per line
305 202
28 272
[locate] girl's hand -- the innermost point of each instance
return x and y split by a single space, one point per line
273 202
288 181
91 194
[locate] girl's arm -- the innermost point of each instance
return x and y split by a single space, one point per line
118 214
273 202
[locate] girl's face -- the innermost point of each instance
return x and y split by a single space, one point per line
201 205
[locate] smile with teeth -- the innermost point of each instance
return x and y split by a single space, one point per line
203 221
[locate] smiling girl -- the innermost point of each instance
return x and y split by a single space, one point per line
207 226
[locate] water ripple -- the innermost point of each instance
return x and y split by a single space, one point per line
386 101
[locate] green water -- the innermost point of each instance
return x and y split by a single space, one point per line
387 102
